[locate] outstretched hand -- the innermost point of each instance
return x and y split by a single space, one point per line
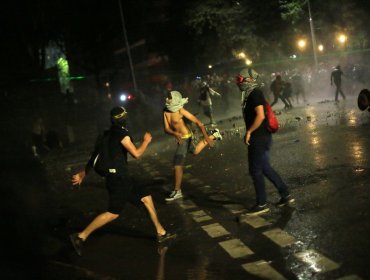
78 178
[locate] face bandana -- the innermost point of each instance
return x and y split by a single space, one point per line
247 82
176 102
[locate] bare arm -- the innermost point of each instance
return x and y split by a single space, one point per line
199 124
136 153
260 116
213 92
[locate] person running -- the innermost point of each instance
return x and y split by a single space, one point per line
174 116
118 183
259 141
287 94
276 87
336 76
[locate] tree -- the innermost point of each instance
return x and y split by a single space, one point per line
223 28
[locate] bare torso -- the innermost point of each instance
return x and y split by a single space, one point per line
177 123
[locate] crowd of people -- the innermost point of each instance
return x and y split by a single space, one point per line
250 90
119 144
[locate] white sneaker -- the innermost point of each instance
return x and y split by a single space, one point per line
216 133
174 195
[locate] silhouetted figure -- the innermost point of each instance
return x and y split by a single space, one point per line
38 138
287 94
206 102
298 87
336 76
363 100
276 87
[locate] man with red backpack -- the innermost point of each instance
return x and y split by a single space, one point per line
258 138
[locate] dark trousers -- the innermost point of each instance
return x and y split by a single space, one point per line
259 167
276 98
339 90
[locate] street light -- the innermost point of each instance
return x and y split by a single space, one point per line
320 48
241 55
248 61
312 36
301 44
342 38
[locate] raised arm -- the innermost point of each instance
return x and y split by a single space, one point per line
213 92
136 153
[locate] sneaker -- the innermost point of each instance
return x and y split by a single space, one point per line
174 195
216 133
165 237
285 201
257 209
77 243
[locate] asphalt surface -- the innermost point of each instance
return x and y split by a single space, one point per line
321 150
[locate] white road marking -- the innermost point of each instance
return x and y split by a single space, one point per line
263 270
254 221
200 216
215 230
236 248
235 208
186 204
280 237
317 261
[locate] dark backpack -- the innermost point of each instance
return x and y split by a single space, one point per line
272 121
203 93
101 157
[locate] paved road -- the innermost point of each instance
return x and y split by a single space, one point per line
322 151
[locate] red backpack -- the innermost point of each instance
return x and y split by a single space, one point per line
272 121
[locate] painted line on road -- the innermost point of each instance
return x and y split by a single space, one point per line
186 204
215 230
236 248
200 216
317 261
235 208
254 221
263 270
280 237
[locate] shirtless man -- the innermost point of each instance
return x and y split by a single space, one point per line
174 124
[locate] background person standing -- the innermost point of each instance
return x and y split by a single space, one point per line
206 102
336 76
